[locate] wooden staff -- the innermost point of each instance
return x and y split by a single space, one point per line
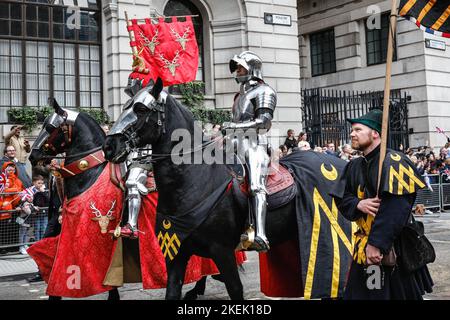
131 35
387 89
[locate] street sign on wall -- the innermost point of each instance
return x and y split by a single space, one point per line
279 19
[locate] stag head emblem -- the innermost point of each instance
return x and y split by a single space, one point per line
103 220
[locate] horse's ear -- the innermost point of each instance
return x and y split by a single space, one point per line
55 105
157 88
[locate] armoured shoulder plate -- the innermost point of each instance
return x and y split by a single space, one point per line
257 97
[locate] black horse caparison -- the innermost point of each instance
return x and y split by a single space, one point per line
86 136
182 186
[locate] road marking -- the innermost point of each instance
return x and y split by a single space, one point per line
33 290
25 285
43 297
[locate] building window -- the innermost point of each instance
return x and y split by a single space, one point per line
323 55
377 41
45 51
186 8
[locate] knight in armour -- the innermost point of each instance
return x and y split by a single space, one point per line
252 115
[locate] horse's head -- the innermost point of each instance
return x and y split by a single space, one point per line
140 123
54 136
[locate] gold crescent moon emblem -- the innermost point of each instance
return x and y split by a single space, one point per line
166 224
360 193
396 157
330 175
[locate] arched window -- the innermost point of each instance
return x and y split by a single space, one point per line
187 8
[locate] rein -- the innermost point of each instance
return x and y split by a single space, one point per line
74 155
163 156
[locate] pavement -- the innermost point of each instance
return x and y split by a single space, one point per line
16 264
16 268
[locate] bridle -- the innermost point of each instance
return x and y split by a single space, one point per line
67 130
59 123
130 134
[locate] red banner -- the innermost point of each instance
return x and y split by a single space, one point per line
166 49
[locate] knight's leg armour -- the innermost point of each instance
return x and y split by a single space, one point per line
135 183
258 164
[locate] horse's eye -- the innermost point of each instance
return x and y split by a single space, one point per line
139 108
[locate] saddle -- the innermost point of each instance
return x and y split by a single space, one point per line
280 186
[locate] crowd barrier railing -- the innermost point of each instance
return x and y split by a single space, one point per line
18 226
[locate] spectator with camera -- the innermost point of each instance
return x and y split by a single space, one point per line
22 148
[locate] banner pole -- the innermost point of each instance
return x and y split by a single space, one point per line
387 88
131 35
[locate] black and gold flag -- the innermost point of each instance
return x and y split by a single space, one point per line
325 236
430 15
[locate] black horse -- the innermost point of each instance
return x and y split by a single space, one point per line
86 137
182 186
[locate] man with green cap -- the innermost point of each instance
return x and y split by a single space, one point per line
380 216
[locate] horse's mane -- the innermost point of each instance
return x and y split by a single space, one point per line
179 113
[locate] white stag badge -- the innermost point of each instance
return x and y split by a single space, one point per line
103 220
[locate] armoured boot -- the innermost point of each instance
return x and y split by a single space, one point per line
136 189
259 242
134 205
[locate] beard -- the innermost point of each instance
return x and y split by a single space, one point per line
362 145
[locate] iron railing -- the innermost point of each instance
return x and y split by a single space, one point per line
324 114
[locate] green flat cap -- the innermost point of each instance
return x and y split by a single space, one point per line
372 119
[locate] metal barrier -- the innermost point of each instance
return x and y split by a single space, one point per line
445 191
18 227
439 197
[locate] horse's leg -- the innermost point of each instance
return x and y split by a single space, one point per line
113 294
199 289
226 262
54 298
175 276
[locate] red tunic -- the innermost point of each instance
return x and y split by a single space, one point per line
280 272
82 254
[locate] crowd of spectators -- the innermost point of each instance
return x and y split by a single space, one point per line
427 162
302 143
23 201
431 164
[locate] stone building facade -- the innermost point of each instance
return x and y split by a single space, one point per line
228 27
41 56
421 72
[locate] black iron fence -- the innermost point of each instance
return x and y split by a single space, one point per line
324 114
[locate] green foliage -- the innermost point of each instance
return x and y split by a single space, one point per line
213 116
46 111
99 115
29 117
192 94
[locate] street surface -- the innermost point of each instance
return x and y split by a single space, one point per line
437 228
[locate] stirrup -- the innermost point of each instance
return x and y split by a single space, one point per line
247 239
255 244
260 245
126 232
